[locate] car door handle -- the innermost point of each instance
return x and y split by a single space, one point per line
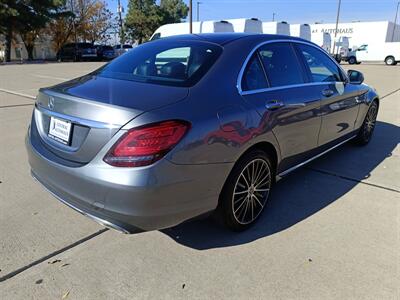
274 105
327 93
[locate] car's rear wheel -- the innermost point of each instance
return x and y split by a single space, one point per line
352 60
246 191
364 135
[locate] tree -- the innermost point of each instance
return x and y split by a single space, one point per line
25 17
173 11
61 28
96 23
145 16
85 20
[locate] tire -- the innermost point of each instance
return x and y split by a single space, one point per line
390 61
241 202
352 60
367 128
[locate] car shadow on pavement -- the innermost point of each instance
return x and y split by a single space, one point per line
296 197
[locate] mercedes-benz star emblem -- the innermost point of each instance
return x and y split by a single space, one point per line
51 103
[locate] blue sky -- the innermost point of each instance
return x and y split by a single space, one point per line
292 11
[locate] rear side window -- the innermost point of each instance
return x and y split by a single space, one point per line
321 67
281 64
253 76
170 63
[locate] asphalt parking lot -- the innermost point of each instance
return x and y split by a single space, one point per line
330 231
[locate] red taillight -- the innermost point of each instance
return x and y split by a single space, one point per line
144 145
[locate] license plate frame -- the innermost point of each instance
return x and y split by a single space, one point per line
60 130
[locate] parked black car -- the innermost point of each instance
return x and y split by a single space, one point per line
105 52
77 52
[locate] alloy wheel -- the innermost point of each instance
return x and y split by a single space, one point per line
251 191
370 120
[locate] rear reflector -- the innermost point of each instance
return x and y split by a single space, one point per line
144 145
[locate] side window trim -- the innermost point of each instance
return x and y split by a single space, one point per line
257 47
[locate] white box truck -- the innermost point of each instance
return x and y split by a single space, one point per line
252 25
384 52
301 30
282 28
198 27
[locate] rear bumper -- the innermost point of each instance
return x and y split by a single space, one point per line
132 199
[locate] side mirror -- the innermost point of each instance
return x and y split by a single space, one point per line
355 77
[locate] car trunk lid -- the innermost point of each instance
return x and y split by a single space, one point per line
96 108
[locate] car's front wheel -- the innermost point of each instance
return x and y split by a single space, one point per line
246 191
365 133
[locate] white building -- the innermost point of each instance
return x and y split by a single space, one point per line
360 33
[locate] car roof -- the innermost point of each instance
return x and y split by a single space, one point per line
225 38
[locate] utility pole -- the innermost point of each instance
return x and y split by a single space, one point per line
395 20
73 22
198 11
121 27
191 16
336 31
273 17
337 18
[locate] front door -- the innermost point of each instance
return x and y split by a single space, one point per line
275 83
339 100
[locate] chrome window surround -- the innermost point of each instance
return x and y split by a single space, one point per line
240 76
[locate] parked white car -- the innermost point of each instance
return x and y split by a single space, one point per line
385 52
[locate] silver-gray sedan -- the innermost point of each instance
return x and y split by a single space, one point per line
188 125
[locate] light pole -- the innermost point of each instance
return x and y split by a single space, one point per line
198 10
273 17
395 20
191 16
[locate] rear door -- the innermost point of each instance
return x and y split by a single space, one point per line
275 82
339 100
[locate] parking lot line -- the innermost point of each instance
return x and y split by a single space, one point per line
17 94
51 77
57 252
353 179
16 105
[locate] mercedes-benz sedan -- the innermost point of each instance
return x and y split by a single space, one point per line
187 125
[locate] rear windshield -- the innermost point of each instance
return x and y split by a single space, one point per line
170 63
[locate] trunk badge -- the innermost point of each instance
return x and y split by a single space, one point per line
51 103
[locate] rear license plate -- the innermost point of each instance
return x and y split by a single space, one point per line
60 130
